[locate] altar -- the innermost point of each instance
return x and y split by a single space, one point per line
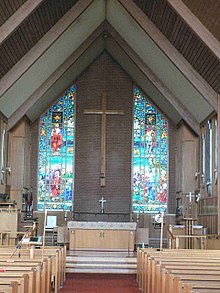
101 235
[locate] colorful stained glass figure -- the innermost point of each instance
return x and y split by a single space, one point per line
56 154
150 119
150 157
57 117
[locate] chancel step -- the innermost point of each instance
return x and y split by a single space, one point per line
99 262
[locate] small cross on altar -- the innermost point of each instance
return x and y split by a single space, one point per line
190 196
102 201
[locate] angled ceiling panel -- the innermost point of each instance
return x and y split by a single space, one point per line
137 75
66 80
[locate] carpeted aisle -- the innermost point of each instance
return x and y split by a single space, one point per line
100 283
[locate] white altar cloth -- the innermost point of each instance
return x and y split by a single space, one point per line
129 226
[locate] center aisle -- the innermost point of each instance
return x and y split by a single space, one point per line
100 283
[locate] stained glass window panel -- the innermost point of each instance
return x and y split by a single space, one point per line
150 157
216 151
208 158
56 155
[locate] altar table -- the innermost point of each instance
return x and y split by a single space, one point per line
101 235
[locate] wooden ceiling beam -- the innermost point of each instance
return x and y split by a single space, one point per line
30 102
169 50
44 43
194 23
171 98
17 18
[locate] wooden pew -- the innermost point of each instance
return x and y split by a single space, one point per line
148 260
34 270
197 287
19 273
58 265
12 288
164 269
57 255
175 284
22 281
39 267
168 277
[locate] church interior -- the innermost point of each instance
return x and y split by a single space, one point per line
109 126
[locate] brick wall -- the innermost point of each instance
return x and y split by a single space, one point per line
103 75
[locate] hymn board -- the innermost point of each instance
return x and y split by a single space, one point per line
103 112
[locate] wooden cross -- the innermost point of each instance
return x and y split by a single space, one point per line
103 112
102 201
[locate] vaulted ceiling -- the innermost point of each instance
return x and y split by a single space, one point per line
170 48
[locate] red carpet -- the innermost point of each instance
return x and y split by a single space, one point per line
100 283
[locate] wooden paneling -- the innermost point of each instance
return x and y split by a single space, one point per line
8 7
31 31
186 160
183 38
186 168
81 239
208 13
17 155
17 18
209 221
101 239
19 161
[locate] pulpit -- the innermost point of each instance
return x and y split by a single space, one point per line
101 235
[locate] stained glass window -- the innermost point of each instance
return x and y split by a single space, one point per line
216 151
208 157
150 157
202 160
56 154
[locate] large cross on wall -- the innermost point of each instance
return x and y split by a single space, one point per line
104 112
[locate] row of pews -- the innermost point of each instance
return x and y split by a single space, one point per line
175 271
25 272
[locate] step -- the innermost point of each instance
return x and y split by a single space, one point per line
101 262
103 265
101 270
118 253
100 259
